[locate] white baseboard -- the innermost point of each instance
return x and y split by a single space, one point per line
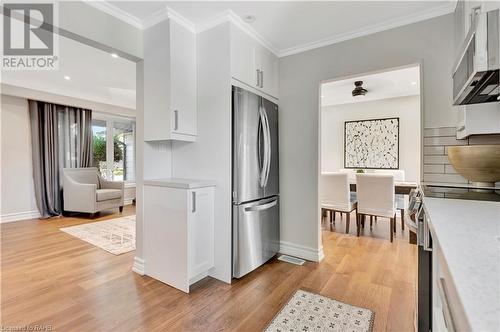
307 253
10 217
138 266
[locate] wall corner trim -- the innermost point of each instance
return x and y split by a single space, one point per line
307 253
138 266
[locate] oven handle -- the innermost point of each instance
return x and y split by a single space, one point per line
427 235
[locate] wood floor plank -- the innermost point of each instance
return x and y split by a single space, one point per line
52 278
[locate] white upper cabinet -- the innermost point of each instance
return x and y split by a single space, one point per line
267 63
253 64
243 58
169 82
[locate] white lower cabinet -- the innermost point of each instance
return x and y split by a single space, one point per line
178 233
448 314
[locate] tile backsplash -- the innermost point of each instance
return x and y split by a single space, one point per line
437 167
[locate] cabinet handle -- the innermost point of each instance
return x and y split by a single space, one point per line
258 77
261 79
193 198
176 119
443 294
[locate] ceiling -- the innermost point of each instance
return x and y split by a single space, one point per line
291 26
389 84
94 75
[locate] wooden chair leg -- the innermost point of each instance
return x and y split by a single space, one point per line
347 222
402 219
391 228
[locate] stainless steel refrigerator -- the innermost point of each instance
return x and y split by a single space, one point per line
255 181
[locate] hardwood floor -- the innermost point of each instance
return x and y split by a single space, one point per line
51 278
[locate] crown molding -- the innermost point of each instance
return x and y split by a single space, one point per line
154 18
168 13
390 24
116 12
230 16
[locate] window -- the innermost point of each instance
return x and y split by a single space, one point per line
99 146
114 136
124 148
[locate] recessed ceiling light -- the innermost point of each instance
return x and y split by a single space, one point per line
114 55
413 83
67 78
322 96
249 18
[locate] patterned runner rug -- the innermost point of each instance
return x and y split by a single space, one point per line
306 311
116 236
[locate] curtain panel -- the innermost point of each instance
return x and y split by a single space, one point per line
61 137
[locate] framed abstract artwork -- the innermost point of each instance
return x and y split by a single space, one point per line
371 144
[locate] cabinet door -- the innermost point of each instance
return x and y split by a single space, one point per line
165 236
157 120
267 62
201 232
183 79
243 67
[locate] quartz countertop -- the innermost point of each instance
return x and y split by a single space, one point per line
468 233
180 183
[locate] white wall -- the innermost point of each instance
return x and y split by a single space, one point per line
429 43
97 26
407 109
17 191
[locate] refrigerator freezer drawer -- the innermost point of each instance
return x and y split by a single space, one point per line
255 234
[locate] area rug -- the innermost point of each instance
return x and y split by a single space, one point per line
116 236
307 311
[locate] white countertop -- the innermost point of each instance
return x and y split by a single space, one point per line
180 183
468 234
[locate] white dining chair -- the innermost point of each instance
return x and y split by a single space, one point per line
401 200
335 195
375 193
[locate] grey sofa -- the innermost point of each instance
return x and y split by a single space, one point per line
84 190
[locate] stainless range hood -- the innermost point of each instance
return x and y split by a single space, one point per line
476 76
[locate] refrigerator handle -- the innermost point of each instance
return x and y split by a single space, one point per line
262 207
263 172
268 147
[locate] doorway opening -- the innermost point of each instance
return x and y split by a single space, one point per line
371 124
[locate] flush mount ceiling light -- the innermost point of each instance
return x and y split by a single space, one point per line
359 91
67 78
249 18
114 55
413 83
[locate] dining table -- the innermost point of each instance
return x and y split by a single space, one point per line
400 187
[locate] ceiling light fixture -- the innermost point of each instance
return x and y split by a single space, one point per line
359 91
67 78
249 18
114 55
413 83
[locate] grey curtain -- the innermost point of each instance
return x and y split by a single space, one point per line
61 136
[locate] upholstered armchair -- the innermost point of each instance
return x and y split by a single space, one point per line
84 190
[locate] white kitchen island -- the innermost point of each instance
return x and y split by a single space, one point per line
178 230
466 264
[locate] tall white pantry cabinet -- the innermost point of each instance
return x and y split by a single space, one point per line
179 232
